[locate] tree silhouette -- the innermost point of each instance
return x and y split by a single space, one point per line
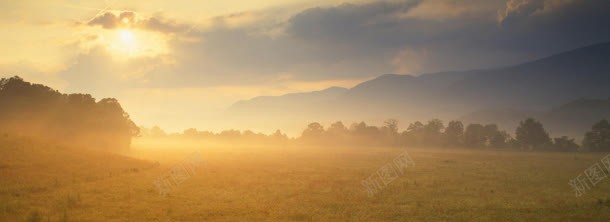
564 144
337 129
279 136
433 132
598 139
454 133
313 131
391 125
494 137
499 139
39 111
475 136
414 135
530 134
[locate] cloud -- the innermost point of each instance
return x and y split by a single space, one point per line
449 9
129 19
357 41
517 9
365 23
410 61
109 20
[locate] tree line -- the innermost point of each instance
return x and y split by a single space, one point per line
35 110
234 136
529 135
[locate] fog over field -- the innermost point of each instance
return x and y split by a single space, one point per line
267 110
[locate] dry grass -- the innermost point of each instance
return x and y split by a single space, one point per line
294 184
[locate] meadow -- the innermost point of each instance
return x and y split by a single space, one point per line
245 182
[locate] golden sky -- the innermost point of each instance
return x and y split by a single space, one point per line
180 63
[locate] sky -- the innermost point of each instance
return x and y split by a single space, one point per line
179 64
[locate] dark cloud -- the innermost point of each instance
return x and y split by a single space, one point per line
528 29
366 40
366 24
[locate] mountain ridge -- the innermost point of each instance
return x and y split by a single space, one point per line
535 86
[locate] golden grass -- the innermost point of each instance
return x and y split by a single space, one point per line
295 184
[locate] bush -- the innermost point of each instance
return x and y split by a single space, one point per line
565 144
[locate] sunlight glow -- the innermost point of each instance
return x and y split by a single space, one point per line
127 37
133 43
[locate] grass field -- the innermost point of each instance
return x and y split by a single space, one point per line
240 183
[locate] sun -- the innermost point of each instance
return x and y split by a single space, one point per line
127 37
133 43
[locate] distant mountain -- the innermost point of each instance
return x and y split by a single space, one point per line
287 112
533 87
293 101
580 73
576 117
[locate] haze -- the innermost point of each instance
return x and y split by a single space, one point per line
294 110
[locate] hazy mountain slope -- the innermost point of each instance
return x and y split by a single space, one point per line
287 112
292 101
531 87
580 73
576 117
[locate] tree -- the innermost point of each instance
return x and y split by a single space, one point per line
279 136
337 129
499 139
156 131
77 119
454 133
190 132
494 137
474 136
314 131
598 139
390 132
230 134
391 125
565 144
433 132
414 134
364 134
531 135
415 127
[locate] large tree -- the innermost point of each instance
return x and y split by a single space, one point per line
77 119
530 134
598 139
